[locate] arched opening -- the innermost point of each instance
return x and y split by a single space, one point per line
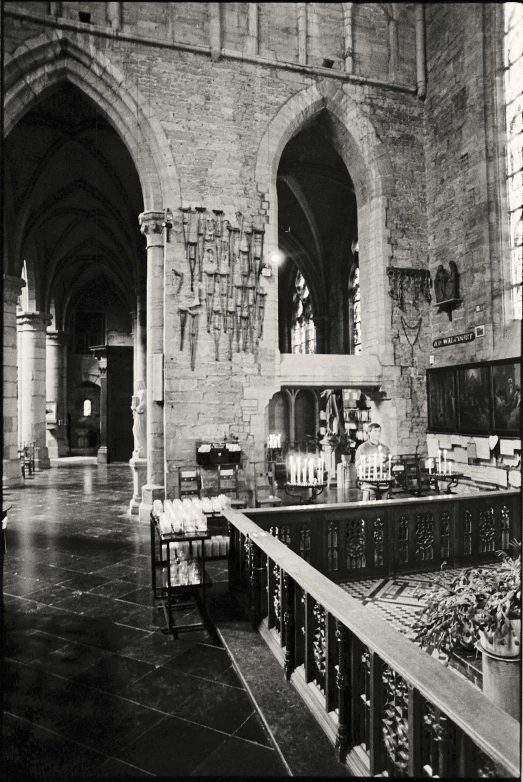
77 198
317 233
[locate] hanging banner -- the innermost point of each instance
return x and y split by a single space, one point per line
456 339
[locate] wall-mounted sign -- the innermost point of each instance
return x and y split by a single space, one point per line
456 339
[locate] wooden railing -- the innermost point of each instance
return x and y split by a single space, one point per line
361 540
388 707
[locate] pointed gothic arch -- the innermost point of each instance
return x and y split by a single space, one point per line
39 64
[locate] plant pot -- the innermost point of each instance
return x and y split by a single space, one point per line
502 682
507 646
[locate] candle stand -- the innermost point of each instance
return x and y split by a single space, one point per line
380 487
313 489
452 479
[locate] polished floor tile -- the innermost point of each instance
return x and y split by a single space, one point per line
92 686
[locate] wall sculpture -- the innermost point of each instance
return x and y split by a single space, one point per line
225 265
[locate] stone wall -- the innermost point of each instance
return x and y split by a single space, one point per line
411 163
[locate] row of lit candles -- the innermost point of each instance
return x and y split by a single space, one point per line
444 467
310 473
274 441
372 467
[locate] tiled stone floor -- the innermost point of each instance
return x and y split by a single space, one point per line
91 686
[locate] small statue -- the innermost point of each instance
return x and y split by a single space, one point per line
440 284
452 283
139 408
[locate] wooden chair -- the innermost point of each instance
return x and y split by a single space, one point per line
189 482
228 483
28 458
264 486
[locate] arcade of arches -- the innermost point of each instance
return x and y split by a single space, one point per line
326 178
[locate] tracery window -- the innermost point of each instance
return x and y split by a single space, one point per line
303 330
513 68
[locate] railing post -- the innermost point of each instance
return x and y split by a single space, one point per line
308 629
342 683
414 733
254 584
288 623
376 688
233 560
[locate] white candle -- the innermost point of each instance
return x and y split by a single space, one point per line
450 468
439 460
390 465
292 468
279 441
444 462
304 471
380 461
375 467
298 474
430 466
311 471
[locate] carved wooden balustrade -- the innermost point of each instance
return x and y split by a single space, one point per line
361 540
387 706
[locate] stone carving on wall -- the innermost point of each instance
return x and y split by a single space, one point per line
225 264
139 408
409 289
409 286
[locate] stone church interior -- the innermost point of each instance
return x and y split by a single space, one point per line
262 297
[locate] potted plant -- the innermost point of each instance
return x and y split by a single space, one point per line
480 606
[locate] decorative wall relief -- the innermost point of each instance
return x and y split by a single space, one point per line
408 289
409 286
225 263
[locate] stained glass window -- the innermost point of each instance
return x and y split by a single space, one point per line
513 66
303 329
355 311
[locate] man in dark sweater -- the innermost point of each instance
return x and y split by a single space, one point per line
368 450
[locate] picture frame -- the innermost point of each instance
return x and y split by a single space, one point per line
473 397
505 376
441 398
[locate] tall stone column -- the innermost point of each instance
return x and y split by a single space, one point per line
139 465
152 228
32 328
10 462
56 362
101 456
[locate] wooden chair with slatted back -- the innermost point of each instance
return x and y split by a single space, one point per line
264 490
189 482
228 483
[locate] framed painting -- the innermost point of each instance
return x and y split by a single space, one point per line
474 399
506 397
441 395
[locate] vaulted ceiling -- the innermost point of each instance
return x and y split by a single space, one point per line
72 203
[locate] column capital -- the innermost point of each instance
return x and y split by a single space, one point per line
151 225
34 321
58 338
12 288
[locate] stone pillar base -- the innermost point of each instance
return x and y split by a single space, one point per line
139 468
42 458
149 495
101 456
12 475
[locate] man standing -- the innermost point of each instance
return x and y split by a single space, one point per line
370 448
